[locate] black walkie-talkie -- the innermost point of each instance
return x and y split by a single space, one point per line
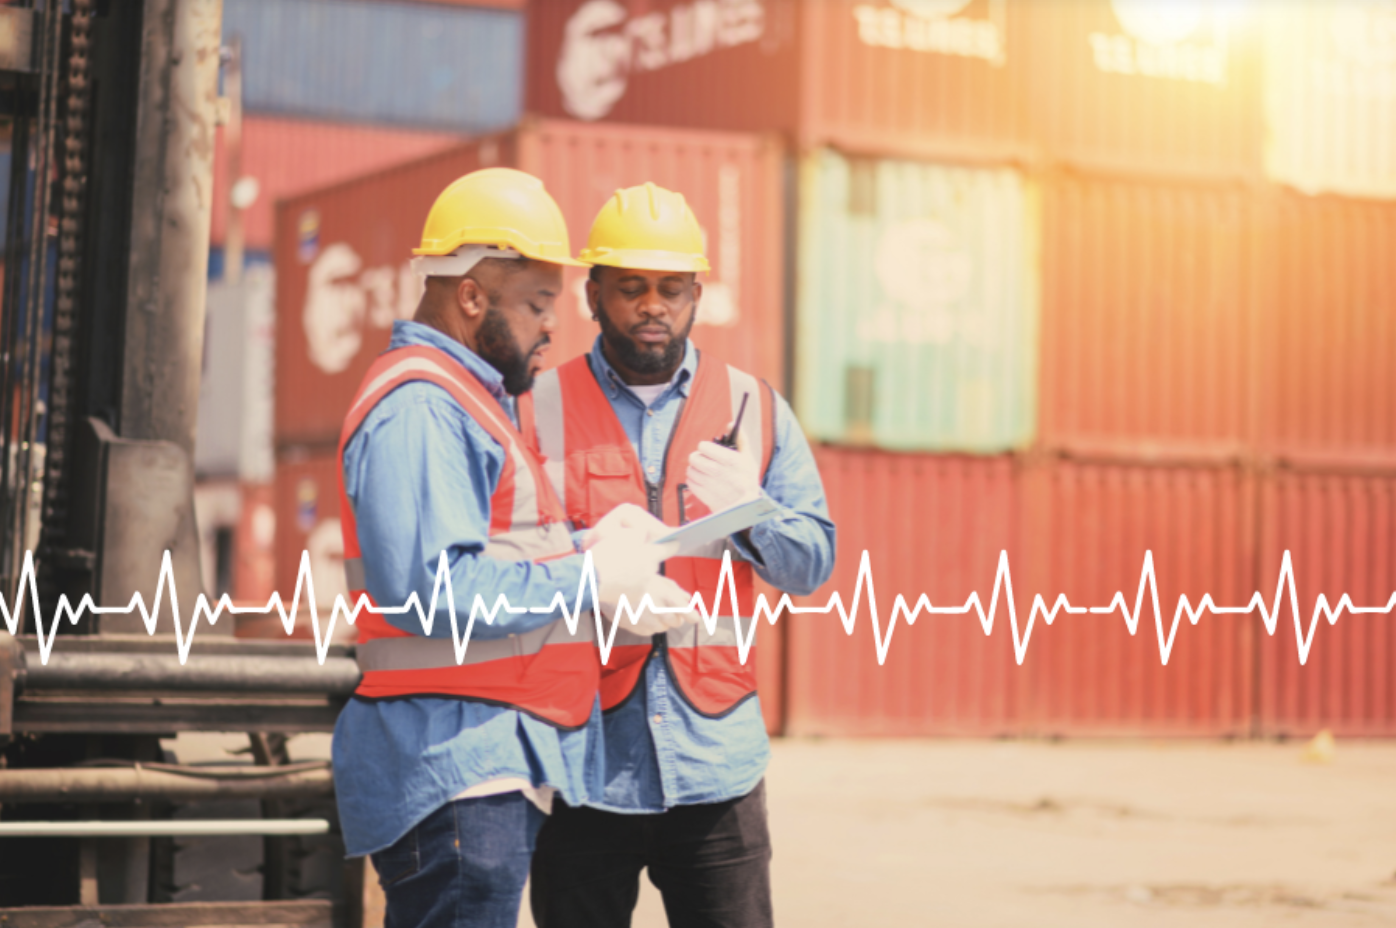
730 440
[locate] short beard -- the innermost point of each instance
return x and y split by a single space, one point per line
643 360
497 345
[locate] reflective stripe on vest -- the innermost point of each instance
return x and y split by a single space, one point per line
593 467
549 672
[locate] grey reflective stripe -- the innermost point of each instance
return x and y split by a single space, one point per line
354 573
405 366
547 419
696 636
530 544
753 428
416 653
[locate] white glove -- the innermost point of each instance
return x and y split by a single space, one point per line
625 516
627 565
722 477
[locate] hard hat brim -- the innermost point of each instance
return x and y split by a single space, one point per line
643 260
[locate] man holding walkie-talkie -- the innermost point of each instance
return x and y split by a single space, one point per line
645 418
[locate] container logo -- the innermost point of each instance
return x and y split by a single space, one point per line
925 273
935 27
602 45
1184 40
308 235
342 298
307 501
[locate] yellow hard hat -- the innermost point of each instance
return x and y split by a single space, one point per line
646 228
500 207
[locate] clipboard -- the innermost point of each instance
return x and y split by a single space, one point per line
700 533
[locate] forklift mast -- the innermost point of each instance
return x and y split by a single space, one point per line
109 109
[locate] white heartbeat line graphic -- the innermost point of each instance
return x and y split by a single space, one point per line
727 589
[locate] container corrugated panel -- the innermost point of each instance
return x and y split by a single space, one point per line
872 76
448 67
1328 336
1152 87
307 520
289 156
342 254
917 304
1146 320
709 64
1330 96
881 77
1341 535
1089 543
931 525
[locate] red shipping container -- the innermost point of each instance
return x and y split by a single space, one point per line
1147 320
1172 89
307 521
932 525
1340 532
1328 329
288 156
342 253
863 75
1088 543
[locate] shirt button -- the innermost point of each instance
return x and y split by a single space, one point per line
651 468
658 719
649 412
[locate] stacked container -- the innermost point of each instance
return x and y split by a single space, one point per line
1071 282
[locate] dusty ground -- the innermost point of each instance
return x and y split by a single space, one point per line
1078 833
1081 833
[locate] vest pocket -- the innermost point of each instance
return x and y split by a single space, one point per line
610 481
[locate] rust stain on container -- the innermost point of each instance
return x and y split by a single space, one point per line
931 525
1328 335
1341 534
289 156
342 254
1146 315
1089 676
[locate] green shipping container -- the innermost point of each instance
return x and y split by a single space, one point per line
916 320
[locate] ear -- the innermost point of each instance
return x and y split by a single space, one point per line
471 298
593 291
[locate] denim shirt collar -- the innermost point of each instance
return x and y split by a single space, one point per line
615 386
407 333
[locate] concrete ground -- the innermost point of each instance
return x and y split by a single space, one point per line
1079 833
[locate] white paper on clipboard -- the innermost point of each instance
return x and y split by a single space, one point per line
698 534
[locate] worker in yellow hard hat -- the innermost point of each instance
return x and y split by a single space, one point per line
446 763
645 419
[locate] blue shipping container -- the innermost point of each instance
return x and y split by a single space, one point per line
409 64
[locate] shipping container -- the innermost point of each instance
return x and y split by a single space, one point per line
933 526
865 75
450 67
289 156
233 437
1328 332
342 254
916 318
1147 319
306 521
1088 542
1330 96
1125 85
1340 532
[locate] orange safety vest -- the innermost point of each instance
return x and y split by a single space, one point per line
548 672
594 468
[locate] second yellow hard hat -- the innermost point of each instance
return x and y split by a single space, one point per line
500 207
646 228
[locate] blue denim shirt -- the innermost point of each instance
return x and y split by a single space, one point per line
660 752
420 473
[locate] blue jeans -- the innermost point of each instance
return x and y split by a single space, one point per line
464 866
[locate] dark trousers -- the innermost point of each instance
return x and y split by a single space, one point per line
712 864
464 865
